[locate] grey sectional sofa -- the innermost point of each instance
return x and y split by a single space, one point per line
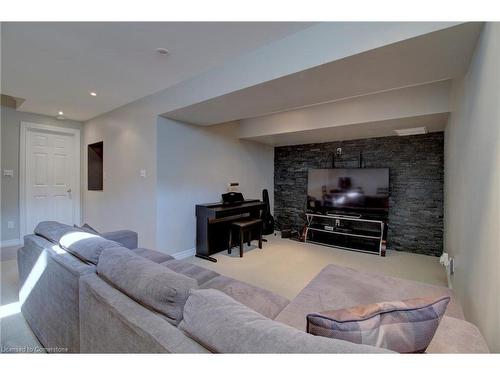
101 294
49 282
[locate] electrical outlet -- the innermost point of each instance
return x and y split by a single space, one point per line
233 186
451 266
10 224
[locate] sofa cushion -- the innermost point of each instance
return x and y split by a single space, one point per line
86 246
127 238
404 326
338 287
224 325
200 274
261 300
53 231
148 283
152 255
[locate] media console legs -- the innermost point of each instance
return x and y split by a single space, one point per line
206 257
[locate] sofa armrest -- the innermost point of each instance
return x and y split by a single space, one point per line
127 238
457 336
49 289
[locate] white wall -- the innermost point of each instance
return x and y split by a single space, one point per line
194 166
185 165
128 201
472 188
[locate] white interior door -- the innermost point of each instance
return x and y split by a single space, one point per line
51 177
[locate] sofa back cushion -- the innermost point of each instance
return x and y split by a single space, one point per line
54 231
261 300
200 274
82 244
148 283
86 246
223 325
153 255
403 326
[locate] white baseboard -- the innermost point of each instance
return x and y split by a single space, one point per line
9 243
184 254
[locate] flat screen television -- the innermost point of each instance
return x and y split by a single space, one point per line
357 190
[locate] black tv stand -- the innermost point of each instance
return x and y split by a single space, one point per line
347 231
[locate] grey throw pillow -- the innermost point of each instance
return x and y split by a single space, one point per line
403 326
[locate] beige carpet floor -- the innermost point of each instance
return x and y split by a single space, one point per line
282 266
285 266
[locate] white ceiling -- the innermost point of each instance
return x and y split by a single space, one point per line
54 66
436 56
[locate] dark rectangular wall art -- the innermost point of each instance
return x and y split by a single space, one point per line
416 179
95 166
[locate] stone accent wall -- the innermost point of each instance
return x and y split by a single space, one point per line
416 173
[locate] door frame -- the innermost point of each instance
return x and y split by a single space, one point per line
26 127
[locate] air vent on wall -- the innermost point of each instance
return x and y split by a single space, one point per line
411 131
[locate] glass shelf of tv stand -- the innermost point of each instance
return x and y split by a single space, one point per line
333 224
345 233
343 217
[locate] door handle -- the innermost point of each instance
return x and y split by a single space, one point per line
68 191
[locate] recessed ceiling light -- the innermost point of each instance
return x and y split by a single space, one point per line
411 131
61 113
92 93
162 51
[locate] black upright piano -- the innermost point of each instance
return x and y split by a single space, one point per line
213 223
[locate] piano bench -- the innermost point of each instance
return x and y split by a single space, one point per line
245 227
